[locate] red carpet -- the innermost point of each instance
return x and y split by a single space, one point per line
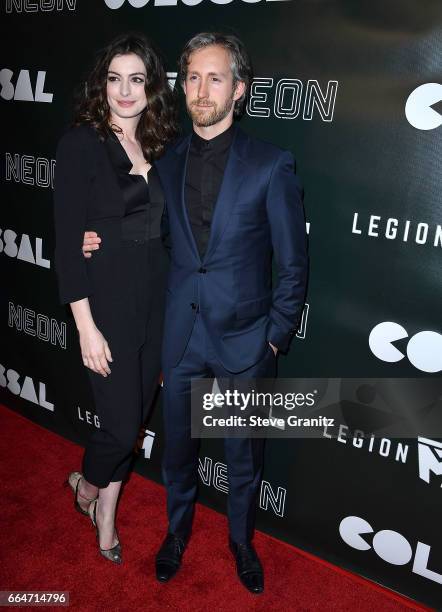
46 545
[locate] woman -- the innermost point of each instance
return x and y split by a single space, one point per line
106 181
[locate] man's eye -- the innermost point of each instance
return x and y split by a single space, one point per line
215 79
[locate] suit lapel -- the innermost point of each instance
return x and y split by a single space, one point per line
228 195
178 177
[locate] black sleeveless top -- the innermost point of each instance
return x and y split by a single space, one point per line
143 201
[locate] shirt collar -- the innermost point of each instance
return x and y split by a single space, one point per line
216 144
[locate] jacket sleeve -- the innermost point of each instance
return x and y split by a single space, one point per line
73 178
289 241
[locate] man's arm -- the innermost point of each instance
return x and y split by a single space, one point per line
92 241
289 241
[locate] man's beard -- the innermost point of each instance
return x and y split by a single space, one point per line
206 119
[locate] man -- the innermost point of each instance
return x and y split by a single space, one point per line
231 202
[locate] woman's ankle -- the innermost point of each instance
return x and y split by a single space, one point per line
87 491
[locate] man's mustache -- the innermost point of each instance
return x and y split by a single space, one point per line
200 103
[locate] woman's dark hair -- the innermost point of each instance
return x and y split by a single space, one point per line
240 63
158 122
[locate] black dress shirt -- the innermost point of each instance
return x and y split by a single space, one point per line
205 170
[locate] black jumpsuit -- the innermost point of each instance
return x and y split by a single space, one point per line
125 281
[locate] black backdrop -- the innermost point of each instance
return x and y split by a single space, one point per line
351 88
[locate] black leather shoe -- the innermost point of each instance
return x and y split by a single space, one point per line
168 559
248 566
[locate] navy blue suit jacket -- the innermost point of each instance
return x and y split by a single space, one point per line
258 214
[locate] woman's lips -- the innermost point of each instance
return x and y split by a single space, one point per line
125 103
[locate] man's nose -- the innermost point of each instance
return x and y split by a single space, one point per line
203 90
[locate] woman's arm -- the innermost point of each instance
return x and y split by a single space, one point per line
74 173
73 179
94 348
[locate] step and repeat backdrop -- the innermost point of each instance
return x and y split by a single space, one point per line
354 90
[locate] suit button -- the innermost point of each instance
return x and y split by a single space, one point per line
194 306
202 270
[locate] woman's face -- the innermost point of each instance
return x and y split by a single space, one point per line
126 80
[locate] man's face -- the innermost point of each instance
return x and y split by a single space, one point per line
209 89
